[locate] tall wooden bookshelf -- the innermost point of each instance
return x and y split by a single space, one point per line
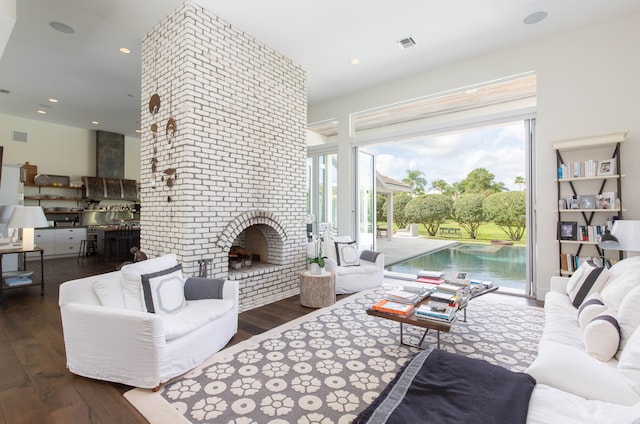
589 194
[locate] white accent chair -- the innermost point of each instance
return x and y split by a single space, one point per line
109 335
351 279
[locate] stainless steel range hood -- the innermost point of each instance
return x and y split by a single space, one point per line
99 188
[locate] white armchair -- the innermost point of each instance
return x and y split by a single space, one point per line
109 335
363 270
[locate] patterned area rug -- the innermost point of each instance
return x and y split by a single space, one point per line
329 365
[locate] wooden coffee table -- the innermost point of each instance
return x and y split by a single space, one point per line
427 324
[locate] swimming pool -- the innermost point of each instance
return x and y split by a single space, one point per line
505 266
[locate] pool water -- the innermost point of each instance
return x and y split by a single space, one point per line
505 266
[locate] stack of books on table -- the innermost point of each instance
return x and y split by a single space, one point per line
437 312
396 308
17 281
478 285
408 294
430 277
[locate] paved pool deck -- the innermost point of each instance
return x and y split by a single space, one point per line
401 248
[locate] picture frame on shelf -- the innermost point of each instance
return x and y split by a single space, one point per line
568 230
588 201
606 167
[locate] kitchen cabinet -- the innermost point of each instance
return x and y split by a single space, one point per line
58 242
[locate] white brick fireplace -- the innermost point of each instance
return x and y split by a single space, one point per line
238 153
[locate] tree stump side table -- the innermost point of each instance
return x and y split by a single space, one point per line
317 290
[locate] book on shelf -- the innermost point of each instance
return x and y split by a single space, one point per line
17 281
396 308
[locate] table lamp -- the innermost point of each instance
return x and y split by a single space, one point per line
5 215
627 234
28 218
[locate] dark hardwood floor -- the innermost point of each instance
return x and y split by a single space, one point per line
36 387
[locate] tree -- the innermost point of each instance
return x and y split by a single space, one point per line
520 181
400 201
508 211
453 190
381 207
440 185
417 181
468 211
430 210
480 181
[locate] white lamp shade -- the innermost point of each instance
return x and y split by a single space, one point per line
628 234
28 217
5 213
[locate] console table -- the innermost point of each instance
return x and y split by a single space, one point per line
13 249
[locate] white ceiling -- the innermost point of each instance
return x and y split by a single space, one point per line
94 81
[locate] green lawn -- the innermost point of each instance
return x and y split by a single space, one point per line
486 232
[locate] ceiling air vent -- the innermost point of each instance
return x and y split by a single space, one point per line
405 43
3 91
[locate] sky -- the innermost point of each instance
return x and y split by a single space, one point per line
499 149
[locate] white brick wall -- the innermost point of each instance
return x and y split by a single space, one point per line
239 149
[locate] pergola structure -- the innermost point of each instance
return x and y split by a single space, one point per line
388 186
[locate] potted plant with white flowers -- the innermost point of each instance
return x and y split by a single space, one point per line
316 262
315 259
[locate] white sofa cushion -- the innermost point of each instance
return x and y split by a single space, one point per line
590 308
194 315
347 253
550 405
629 364
588 278
329 247
602 336
615 291
354 270
164 290
131 279
628 317
109 293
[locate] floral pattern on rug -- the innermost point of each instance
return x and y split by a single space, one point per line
329 367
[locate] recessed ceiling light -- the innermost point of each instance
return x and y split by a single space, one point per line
53 100
125 50
354 61
139 131
42 112
95 122
60 27
534 18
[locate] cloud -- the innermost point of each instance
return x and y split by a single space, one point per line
499 149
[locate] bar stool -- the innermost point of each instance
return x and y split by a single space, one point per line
87 247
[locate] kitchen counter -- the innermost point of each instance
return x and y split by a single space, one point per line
115 243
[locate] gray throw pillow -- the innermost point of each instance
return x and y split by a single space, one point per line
196 288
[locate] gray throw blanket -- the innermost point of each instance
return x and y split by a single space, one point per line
203 288
369 255
439 387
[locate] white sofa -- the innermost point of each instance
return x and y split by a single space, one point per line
109 335
353 278
570 379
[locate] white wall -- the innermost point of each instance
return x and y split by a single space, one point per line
587 85
60 150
